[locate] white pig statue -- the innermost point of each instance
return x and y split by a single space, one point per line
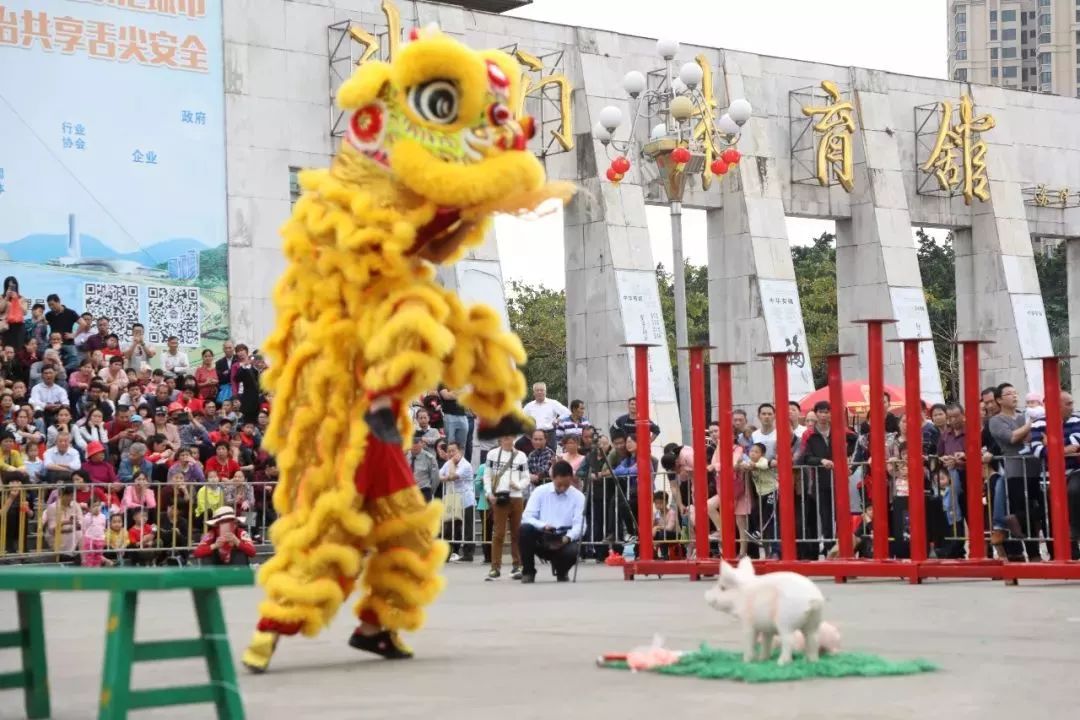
774 604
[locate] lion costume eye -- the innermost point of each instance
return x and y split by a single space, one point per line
435 101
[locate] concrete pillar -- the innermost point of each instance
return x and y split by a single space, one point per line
877 267
1004 302
1072 259
477 277
753 300
611 292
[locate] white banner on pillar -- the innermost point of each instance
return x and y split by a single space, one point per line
913 321
643 322
1033 332
784 322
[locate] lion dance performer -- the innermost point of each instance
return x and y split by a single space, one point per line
433 150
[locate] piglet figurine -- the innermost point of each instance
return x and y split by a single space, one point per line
828 636
774 604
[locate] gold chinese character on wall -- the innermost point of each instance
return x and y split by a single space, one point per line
705 124
834 131
968 171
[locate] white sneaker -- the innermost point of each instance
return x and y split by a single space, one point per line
454 557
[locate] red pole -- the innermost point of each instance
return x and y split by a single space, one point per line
698 429
973 451
879 489
726 481
913 401
1055 451
644 452
783 460
839 457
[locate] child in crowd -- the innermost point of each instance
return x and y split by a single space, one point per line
665 523
210 496
239 494
898 523
116 540
174 536
94 535
763 476
63 523
142 537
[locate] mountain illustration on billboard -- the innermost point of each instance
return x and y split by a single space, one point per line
43 248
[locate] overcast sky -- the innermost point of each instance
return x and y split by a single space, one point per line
843 32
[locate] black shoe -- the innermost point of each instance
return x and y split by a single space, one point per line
528 579
385 644
492 575
515 574
383 425
562 578
514 423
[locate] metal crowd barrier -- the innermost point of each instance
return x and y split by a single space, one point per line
824 528
34 528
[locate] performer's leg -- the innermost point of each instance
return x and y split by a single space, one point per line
402 573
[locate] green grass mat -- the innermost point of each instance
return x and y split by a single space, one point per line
717 664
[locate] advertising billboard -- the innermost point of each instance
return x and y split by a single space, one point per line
112 161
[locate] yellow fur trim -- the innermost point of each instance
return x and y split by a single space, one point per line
455 185
364 85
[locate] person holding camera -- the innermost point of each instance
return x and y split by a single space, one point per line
552 524
505 479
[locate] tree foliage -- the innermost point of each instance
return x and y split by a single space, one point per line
815 275
538 316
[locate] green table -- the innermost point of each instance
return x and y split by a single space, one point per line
121 649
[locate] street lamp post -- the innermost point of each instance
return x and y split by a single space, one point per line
679 151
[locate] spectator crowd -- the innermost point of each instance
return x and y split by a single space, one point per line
121 452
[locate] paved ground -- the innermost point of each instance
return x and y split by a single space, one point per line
502 650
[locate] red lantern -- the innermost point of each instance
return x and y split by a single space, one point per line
731 156
618 177
612 175
680 155
718 167
722 169
620 164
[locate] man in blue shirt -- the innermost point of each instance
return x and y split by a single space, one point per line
552 524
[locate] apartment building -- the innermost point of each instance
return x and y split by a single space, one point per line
1029 45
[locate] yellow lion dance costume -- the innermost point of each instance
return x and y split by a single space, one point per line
433 150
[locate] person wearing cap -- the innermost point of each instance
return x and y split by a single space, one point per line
163 422
98 469
225 542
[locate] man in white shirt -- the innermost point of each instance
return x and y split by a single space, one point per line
505 478
545 412
459 499
174 362
552 525
766 432
47 396
61 460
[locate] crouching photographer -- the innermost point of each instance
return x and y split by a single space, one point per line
552 525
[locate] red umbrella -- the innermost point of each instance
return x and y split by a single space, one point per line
856 396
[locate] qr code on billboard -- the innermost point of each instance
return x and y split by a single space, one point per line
118 302
173 311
